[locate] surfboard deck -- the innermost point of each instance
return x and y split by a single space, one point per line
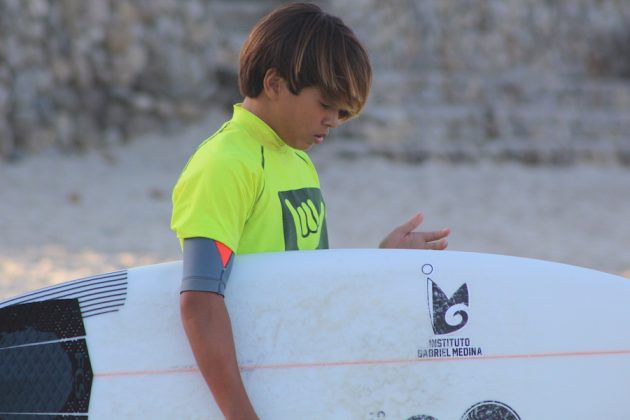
337 334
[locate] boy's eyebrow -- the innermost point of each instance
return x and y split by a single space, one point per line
347 105
333 99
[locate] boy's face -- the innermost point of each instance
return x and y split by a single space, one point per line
306 118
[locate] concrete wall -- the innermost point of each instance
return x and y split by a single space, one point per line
84 73
534 80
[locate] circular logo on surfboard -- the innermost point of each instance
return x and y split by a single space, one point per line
490 410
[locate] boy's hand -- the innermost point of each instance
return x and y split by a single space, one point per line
404 236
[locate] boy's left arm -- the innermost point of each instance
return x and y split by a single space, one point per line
405 237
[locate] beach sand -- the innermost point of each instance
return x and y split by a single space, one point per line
68 216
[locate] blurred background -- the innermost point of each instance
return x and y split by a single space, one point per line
507 120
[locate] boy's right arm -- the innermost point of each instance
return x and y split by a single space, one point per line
207 325
207 265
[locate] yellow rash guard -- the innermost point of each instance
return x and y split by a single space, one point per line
249 190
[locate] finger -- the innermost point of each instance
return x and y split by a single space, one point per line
417 240
436 235
411 224
438 246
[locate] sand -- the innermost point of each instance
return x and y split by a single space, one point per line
68 216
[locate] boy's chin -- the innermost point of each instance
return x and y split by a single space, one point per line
304 146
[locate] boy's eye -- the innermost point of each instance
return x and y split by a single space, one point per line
342 113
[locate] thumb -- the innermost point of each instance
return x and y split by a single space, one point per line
412 223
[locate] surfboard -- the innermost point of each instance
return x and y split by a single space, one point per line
337 334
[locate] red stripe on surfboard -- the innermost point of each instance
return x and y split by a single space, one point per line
315 365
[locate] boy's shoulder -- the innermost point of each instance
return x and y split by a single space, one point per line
229 144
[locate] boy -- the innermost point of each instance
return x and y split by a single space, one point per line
252 188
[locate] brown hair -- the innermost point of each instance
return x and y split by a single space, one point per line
308 48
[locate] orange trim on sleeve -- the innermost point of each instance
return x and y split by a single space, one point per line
224 252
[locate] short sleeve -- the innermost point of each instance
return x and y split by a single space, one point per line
214 197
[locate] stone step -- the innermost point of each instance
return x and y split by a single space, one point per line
478 124
238 16
392 88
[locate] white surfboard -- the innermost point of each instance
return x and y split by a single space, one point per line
339 334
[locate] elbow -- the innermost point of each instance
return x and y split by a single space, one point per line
187 306
195 305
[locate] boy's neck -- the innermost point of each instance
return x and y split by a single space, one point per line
258 108
262 108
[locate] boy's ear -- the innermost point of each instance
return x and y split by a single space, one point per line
272 83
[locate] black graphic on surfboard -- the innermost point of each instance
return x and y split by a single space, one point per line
485 410
44 361
490 410
45 367
447 314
